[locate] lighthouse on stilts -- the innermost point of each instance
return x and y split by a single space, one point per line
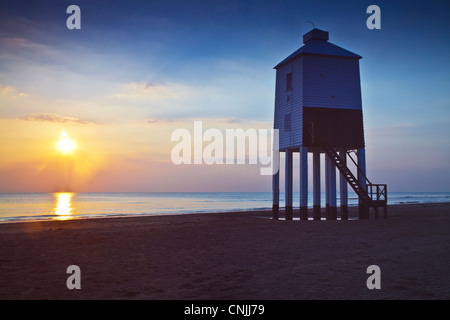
318 110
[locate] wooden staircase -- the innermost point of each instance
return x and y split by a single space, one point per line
374 195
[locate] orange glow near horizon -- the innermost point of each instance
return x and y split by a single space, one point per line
63 205
33 158
65 145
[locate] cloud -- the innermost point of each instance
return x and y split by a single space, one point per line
165 120
396 126
52 118
20 43
220 98
153 92
10 91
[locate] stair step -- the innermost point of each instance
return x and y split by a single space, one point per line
348 175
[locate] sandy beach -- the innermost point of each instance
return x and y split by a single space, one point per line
222 256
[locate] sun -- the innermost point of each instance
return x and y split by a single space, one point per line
65 145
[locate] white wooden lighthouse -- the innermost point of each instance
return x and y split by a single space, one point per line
318 109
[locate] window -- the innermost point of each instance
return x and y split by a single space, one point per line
289 81
287 122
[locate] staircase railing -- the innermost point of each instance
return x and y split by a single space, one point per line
380 193
359 169
375 194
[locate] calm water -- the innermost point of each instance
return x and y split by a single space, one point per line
63 206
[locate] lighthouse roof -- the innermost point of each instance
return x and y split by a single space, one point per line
316 42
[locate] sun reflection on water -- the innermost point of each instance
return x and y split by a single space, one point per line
63 205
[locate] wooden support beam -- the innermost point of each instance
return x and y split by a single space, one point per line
288 185
363 207
276 189
343 187
316 185
303 183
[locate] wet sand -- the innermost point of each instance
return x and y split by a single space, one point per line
227 256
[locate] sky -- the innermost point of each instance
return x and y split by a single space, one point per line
138 70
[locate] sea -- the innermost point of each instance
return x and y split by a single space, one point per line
65 206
